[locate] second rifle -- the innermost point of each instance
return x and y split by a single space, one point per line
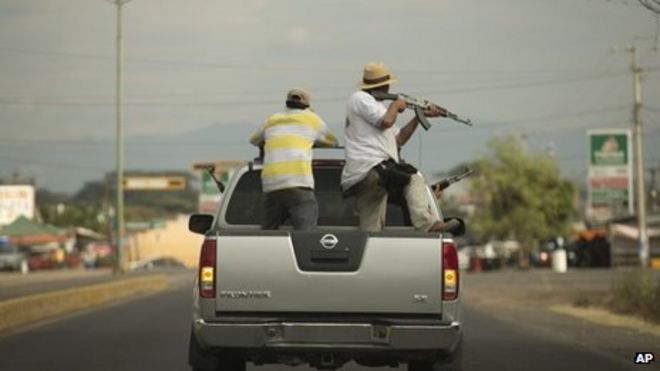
444 183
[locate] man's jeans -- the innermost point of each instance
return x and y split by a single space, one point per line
297 204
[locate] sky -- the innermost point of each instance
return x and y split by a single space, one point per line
201 75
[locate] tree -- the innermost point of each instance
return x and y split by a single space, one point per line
67 215
520 195
139 204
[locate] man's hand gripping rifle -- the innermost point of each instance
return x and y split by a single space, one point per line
420 106
444 183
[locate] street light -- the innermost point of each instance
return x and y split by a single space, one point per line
119 235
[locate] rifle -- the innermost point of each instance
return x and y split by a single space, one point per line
443 184
211 170
419 105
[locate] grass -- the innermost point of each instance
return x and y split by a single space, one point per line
636 293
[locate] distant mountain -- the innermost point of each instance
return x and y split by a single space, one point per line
65 165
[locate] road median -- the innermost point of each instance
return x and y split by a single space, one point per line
33 308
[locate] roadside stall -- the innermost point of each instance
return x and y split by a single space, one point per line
42 244
625 244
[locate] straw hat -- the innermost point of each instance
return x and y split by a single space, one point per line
376 74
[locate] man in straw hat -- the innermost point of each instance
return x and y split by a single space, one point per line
287 181
372 155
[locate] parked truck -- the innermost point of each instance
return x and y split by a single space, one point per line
324 297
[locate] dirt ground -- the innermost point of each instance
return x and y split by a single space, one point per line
563 305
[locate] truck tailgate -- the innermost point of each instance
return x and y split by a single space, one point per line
298 272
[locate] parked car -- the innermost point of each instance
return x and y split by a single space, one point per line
42 260
158 263
11 258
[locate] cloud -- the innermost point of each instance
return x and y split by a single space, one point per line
299 35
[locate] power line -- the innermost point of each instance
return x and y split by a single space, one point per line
96 143
144 104
530 84
564 115
29 102
541 118
269 68
315 90
54 164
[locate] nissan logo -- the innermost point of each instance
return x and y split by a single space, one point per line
329 241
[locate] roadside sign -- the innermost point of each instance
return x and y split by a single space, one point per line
16 200
610 174
209 194
154 183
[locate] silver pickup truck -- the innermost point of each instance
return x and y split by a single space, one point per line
325 297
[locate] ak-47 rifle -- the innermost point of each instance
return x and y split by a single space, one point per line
443 184
419 105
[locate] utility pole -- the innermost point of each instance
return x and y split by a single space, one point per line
639 150
654 189
119 213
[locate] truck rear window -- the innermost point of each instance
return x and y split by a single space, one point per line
245 206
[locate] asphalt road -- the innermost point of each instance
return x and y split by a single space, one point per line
151 333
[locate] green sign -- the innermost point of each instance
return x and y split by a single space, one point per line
607 195
208 184
610 182
609 149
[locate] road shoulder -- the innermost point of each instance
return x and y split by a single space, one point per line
24 311
607 318
543 303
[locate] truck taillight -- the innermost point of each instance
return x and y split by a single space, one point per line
207 263
449 271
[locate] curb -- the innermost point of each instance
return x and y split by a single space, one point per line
33 308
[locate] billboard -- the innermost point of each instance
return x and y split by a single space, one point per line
154 183
16 200
610 174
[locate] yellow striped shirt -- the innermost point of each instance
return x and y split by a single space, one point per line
288 139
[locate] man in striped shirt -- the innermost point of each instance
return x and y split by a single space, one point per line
287 139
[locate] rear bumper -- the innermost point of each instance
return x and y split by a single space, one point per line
335 336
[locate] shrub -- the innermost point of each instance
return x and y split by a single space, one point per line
635 292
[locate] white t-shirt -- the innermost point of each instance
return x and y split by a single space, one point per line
366 142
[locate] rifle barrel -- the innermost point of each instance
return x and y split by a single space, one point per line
456 118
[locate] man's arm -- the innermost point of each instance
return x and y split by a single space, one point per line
409 129
406 132
325 137
393 111
257 138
